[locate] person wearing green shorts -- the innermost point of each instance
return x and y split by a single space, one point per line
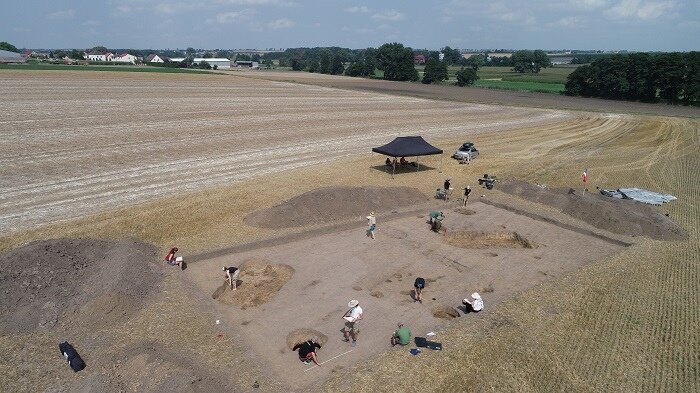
402 336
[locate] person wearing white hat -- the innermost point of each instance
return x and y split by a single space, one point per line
467 191
371 224
475 305
352 318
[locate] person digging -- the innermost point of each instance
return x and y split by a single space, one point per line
232 274
307 350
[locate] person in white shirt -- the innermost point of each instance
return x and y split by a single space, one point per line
352 318
371 224
474 305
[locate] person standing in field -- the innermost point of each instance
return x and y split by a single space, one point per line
418 286
448 188
352 318
371 224
467 191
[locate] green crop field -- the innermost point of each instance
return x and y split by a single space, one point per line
63 67
542 87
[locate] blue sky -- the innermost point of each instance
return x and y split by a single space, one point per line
645 25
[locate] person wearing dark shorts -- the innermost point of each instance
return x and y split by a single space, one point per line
418 286
307 350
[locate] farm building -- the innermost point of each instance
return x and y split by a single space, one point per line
125 58
93 56
154 58
219 62
247 63
11 57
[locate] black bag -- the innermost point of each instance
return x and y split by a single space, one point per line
74 360
424 343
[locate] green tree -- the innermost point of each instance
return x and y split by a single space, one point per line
530 61
99 49
476 61
313 66
8 47
242 57
207 55
337 67
77 55
435 71
190 52
297 65
255 57
397 62
204 65
325 63
466 77
451 56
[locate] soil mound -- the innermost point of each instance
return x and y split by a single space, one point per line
624 217
95 283
334 203
259 281
481 240
300 335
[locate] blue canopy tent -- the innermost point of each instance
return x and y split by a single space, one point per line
407 146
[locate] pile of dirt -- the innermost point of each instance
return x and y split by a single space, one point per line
300 335
334 203
624 217
445 312
86 282
481 240
259 281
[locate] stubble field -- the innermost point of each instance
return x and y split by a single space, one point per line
625 323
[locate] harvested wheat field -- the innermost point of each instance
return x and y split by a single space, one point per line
96 185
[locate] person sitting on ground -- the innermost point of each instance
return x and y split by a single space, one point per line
232 273
475 305
436 215
418 286
402 336
387 162
403 161
307 350
174 260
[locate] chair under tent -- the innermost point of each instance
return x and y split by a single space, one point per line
407 146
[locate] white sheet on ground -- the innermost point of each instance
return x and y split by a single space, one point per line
646 196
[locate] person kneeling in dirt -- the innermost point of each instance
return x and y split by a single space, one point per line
307 350
402 336
174 260
475 305
232 273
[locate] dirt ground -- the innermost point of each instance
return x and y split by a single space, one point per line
331 269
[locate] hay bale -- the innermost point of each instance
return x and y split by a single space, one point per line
300 335
445 312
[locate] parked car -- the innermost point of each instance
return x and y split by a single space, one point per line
467 149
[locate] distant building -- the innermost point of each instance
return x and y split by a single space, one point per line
94 56
154 58
11 57
247 63
219 62
125 58
419 59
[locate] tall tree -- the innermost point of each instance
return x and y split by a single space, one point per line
397 62
8 47
466 76
325 62
476 61
451 56
337 67
435 71
530 61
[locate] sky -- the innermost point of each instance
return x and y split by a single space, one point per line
635 25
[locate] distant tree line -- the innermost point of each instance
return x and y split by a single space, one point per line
668 77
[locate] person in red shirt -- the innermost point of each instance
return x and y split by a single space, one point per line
172 259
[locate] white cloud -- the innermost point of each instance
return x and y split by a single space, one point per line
224 18
282 23
361 9
67 14
391 15
569 22
641 10
587 5
177 7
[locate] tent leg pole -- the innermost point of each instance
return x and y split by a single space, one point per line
417 164
440 163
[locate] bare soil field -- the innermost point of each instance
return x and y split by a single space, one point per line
473 94
584 309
